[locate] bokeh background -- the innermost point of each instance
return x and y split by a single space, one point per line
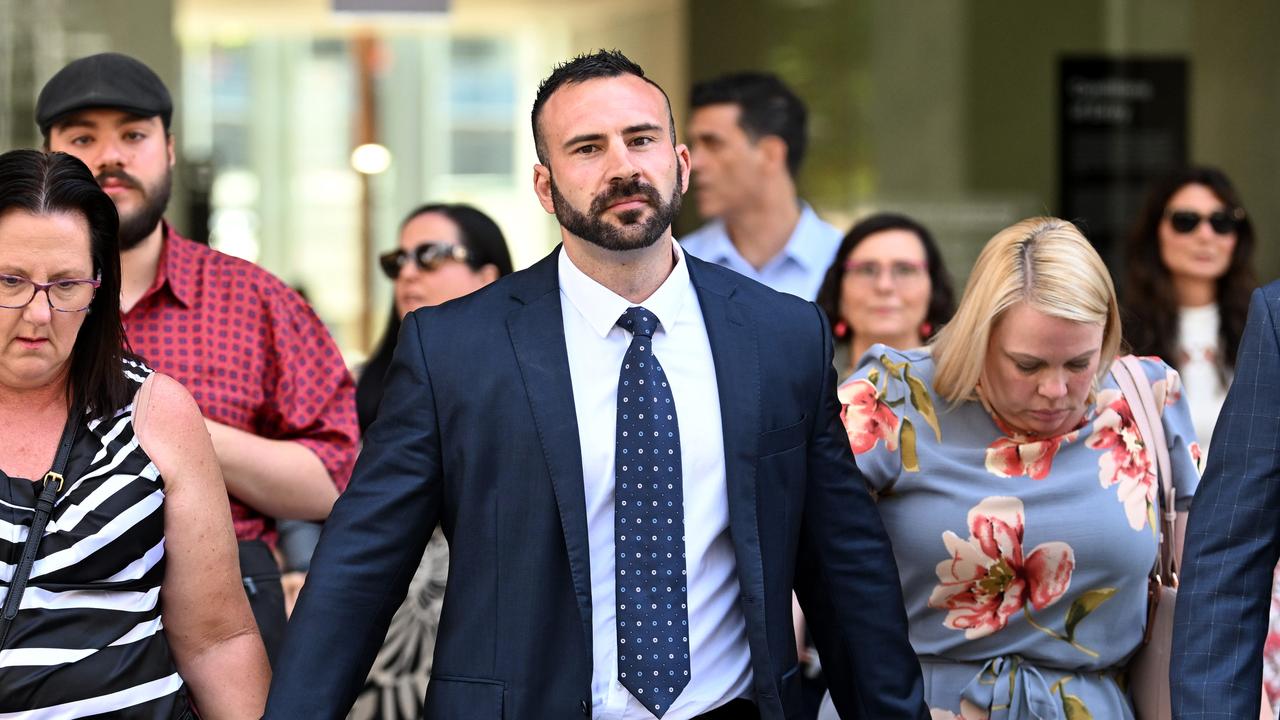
968 114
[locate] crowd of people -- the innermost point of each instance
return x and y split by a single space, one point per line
770 470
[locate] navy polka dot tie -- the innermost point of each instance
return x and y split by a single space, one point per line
653 613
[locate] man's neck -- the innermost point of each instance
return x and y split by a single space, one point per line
760 231
138 268
634 274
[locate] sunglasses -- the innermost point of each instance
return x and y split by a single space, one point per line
1223 222
428 256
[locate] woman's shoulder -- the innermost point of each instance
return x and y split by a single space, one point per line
1165 382
166 419
1154 368
880 360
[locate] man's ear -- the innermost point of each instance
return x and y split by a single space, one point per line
173 157
774 151
542 186
684 164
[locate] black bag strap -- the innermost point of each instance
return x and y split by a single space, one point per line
50 487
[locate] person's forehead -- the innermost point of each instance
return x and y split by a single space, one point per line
1194 193
716 116
432 227
891 242
604 105
104 117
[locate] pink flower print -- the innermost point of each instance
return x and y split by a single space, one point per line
986 580
1169 390
866 417
1124 463
1013 457
1196 453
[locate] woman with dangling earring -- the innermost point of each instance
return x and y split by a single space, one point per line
887 285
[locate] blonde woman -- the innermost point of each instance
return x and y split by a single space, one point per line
1014 486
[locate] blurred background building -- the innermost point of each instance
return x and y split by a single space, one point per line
967 114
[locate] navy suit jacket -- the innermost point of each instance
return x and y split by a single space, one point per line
477 432
1233 537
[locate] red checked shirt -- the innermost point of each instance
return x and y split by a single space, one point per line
252 353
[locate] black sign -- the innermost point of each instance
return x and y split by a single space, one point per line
1122 124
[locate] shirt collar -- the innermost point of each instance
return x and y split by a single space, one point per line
601 307
175 254
805 245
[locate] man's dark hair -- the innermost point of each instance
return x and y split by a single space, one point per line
768 107
599 64
44 184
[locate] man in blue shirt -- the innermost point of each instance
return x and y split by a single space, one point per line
748 136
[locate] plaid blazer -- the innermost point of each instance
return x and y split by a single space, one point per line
1233 537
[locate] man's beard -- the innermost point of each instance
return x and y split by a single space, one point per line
633 234
136 226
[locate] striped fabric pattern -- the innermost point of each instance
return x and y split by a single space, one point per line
89 637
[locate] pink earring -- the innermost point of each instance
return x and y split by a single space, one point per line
926 329
841 329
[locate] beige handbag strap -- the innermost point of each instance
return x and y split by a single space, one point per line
1129 375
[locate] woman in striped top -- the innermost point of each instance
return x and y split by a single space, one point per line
133 608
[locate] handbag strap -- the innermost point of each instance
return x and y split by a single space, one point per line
1135 387
50 486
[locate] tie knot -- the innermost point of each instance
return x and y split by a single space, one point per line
638 321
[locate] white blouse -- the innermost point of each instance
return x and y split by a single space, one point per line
1198 357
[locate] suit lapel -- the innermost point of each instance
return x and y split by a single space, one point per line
737 361
537 335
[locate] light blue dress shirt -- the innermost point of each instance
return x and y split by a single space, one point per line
797 270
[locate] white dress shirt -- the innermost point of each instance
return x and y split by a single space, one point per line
798 269
720 660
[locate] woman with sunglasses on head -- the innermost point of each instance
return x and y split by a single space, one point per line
1189 274
118 573
445 251
887 285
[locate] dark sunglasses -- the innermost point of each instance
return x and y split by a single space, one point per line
428 257
1223 222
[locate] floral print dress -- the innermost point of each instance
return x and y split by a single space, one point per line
1023 561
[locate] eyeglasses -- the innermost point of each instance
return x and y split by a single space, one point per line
1223 222
427 256
900 271
66 296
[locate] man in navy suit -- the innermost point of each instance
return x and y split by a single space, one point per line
1233 537
635 456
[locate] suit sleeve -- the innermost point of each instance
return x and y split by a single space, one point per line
1233 538
371 546
847 580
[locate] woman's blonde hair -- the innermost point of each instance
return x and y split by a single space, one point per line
1045 262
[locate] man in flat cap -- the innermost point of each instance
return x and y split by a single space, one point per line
275 393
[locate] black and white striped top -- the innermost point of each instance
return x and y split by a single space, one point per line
89 637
